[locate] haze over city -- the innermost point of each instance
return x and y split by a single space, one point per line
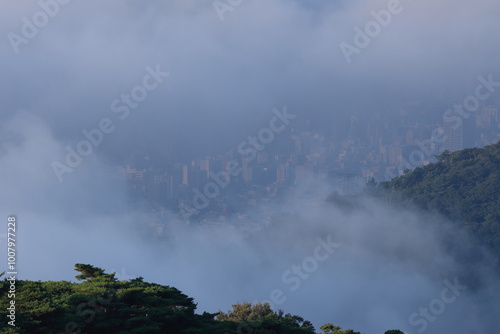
206 145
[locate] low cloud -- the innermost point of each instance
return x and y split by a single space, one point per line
386 264
225 77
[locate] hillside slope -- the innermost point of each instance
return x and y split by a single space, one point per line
464 186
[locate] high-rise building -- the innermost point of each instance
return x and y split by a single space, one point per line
185 174
487 118
153 193
453 136
261 157
205 165
300 173
247 171
395 155
170 187
281 172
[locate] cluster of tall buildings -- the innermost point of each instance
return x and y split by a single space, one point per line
476 130
345 158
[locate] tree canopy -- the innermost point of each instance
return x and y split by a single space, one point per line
101 304
464 186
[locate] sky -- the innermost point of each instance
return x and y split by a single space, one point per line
207 78
227 75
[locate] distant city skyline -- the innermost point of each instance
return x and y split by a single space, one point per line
196 143
371 150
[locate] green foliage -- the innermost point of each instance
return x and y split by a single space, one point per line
260 318
464 186
394 331
331 329
11 330
100 304
88 272
246 312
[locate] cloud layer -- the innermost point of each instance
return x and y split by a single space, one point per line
369 268
227 75
225 78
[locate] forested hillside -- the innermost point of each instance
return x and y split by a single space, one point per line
464 186
101 304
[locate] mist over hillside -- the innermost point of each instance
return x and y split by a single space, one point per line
368 268
115 117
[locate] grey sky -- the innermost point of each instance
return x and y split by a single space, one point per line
225 78
227 75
